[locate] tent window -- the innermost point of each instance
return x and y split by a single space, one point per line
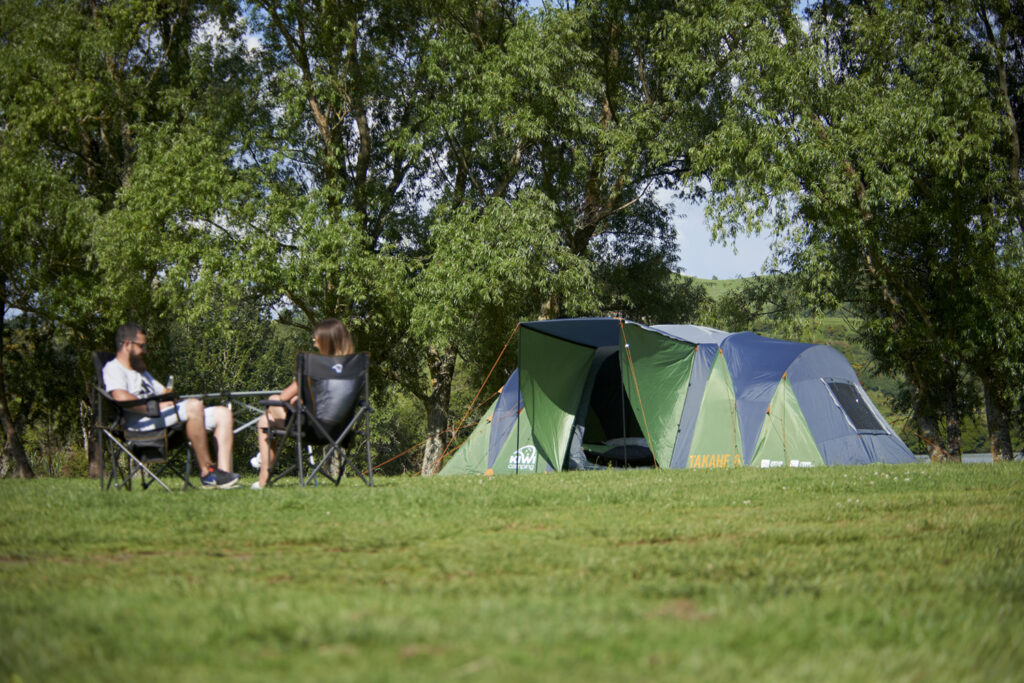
855 404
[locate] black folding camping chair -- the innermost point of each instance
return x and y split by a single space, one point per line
334 397
150 454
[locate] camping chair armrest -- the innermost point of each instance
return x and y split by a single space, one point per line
152 403
289 416
267 403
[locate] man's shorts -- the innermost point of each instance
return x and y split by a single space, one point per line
171 416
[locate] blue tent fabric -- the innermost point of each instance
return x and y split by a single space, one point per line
885 449
592 332
837 440
829 426
702 361
756 365
506 411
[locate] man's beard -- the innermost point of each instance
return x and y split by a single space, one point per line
138 365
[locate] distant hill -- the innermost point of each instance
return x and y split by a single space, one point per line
717 288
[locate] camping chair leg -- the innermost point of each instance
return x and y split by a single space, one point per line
278 441
145 470
312 476
169 467
99 448
335 450
126 481
116 478
338 452
298 450
366 437
187 474
125 475
116 473
107 481
331 452
113 461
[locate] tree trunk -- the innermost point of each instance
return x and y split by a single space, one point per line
92 438
13 447
442 370
954 428
929 431
552 308
999 439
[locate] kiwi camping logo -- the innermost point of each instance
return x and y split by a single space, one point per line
523 459
337 368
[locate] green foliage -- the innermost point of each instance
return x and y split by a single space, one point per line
834 573
880 141
86 94
47 406
432 173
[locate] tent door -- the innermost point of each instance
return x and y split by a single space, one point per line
606 431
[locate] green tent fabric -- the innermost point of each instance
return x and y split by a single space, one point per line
656 371
785 439
519 455
552 375
716 438
471 456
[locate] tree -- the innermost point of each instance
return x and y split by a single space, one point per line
887 136
438 172
88 90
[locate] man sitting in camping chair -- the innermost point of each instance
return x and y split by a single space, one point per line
127 379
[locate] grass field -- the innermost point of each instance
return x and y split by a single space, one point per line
909 573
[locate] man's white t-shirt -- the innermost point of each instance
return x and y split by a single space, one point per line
139 384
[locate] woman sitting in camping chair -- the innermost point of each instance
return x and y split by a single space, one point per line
330 338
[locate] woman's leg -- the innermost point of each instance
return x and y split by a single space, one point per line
274 418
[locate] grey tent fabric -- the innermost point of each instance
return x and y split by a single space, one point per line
695 334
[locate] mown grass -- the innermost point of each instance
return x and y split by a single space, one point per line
909 573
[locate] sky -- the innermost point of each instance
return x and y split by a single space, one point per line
699 258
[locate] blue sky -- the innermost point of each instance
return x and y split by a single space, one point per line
699 258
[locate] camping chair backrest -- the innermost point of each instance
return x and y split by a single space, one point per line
99 359
104 406
330 387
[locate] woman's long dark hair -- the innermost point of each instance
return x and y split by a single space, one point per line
333 339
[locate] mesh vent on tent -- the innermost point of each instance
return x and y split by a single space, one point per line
856 407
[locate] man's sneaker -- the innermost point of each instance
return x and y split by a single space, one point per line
219 479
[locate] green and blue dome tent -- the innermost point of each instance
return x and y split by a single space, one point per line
595 392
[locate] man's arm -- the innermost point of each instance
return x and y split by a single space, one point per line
116 382
120 395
